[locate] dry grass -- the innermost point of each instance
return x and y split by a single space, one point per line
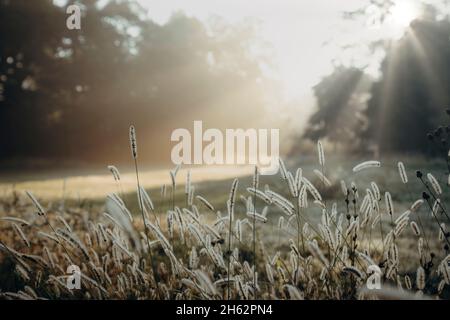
297 238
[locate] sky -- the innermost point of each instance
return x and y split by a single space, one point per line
295 29
306 36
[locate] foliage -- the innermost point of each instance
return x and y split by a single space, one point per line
64 93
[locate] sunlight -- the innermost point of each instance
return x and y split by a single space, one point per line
403 12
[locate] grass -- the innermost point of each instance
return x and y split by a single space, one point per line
323 250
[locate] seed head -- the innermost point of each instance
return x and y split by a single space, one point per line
133 142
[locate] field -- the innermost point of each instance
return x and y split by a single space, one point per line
322 232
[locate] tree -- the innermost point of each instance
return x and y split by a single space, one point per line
71 94
341 97
410 98
406 101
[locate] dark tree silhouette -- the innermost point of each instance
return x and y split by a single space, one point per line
406 102
340 101
71 94
410 98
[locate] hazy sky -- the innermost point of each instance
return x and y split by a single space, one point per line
297 30
305 34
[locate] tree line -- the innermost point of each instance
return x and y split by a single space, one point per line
395 112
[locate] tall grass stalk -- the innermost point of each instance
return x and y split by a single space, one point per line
133 144
255 186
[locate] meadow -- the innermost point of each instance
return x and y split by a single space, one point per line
321 228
